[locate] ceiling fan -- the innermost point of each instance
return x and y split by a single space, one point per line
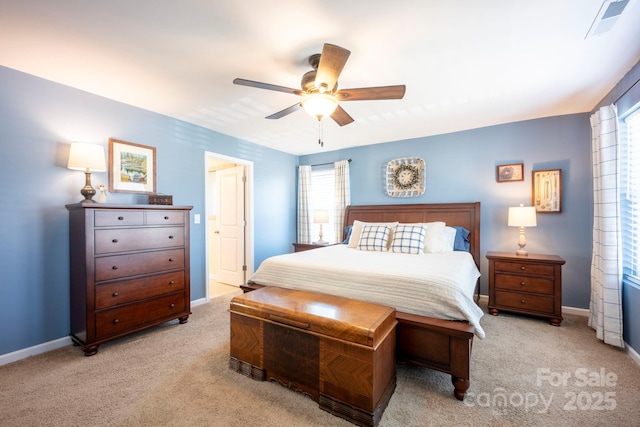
320 93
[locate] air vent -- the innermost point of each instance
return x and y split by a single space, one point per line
607 17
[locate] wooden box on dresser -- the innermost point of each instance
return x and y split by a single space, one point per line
529 284
129 269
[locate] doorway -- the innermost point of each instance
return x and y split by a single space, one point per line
229 223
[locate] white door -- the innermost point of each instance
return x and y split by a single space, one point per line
231 225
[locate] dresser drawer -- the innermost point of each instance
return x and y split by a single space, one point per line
524 302
117 266
124 291
113 217
165 217
122 319
541 285
522 267
113 240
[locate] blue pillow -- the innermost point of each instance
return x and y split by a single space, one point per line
347 230
461 242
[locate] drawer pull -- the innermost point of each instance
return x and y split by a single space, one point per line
115 267
115 241
116 321
120 218
171 237
522 267
171 305
172 282
522 283
170 259
522 300
115 294
166 217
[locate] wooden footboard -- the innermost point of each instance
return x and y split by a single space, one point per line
443 345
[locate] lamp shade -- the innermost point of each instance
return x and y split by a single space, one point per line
83 157
321 216
522 216
319 105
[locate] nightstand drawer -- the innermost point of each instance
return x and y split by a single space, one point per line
540 285
524 302
525 268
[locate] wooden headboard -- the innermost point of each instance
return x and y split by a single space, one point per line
466 215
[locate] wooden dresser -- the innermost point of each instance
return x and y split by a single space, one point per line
129 269
526 284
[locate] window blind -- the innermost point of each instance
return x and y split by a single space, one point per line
323 197
630 195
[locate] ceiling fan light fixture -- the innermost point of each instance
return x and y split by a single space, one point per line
319 105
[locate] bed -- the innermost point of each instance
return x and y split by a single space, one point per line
441 340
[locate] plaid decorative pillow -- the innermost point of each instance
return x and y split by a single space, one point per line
408 239
374 238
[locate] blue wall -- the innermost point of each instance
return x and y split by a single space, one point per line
461 167
38 120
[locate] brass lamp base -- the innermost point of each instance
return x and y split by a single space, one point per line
88 191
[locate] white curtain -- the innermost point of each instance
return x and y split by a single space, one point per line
606 262
304 192
343 196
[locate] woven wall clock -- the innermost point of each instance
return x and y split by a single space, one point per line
406 177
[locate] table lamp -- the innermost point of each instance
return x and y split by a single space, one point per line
321 216
522 216
88 158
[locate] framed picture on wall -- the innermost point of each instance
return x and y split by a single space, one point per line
132 167
508 173
547 191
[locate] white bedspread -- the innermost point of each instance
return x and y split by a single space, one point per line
439 285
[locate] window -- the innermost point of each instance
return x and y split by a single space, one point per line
323 197
630 195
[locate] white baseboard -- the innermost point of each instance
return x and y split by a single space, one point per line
632 353
576 311
198 302
52 345
32 351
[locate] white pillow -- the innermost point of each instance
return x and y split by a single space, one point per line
408 239
434 237
357 230
448 239
374 237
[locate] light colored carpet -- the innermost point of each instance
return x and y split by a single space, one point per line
178 375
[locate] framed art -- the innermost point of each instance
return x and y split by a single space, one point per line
508 173
547 190
406 177
132 167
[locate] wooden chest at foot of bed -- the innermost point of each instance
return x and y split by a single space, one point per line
338 351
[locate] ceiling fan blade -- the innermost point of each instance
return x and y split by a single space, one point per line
268 86
286 111
331 63
341 117
371 93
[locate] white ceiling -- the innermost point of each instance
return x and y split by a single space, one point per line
466 63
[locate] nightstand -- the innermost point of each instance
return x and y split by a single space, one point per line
299 247
526 284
